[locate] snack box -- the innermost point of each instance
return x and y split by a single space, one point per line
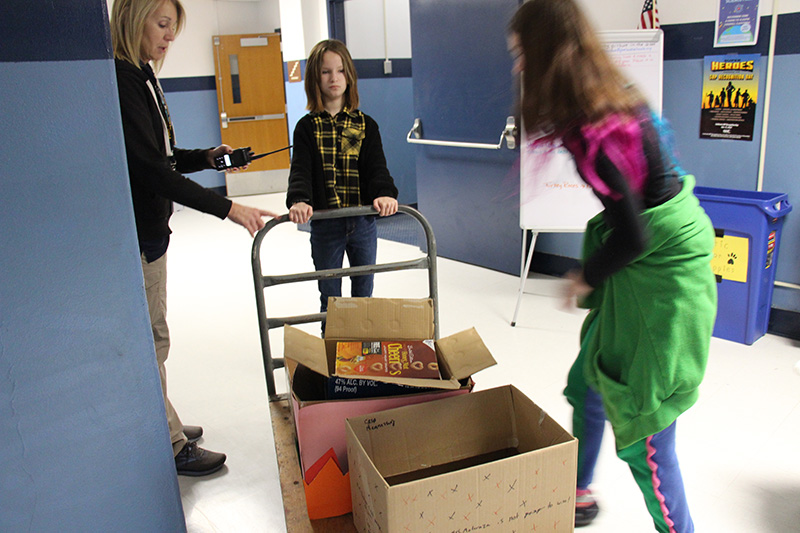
320 421
413 359
491 461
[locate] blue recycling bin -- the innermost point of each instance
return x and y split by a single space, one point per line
748 230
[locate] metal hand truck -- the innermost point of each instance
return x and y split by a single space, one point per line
262 281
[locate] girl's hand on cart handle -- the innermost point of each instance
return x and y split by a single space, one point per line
300 212
385 205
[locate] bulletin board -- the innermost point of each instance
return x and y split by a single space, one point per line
553 198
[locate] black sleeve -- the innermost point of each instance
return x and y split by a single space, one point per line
148 166
301 172
375 177
191 160
628 236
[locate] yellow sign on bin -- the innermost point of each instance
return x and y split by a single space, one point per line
731 257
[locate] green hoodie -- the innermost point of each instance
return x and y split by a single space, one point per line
647 335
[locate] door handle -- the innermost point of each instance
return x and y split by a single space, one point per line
508 134
225 119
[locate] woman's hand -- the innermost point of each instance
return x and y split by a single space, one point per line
385 205
222 149
251 218
300 212
575 289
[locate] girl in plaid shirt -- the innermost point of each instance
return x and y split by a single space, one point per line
337 162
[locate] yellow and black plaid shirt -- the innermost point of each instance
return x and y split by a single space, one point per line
339 141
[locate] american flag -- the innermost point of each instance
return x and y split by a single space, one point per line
649 18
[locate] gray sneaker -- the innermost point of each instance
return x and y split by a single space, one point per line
193 460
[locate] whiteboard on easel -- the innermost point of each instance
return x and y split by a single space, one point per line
553 198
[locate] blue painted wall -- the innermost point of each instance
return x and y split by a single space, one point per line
84 444
196 121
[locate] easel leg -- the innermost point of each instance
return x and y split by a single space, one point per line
523 276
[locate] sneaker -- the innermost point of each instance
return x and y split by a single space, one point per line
586 508
193 460
192 432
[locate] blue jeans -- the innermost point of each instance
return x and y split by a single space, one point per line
330 239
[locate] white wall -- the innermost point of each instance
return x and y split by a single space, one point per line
366 23
315 23
624 14
685 11
304 24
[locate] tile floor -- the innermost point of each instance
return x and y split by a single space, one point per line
738 446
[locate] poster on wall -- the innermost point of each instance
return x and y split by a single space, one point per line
737 23
730 97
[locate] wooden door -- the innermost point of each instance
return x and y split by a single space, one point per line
252 108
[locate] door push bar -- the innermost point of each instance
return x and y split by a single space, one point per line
508 134
225 119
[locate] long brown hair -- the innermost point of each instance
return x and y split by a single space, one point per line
128 18
568 78
314 72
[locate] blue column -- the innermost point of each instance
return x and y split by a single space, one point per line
84 444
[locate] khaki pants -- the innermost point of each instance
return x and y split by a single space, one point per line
155 285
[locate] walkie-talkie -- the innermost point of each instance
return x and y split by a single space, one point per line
240 157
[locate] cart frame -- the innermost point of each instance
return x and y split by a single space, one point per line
262 282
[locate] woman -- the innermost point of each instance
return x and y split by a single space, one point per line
142 31
646 275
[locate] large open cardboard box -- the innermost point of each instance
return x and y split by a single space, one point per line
320 422
491 460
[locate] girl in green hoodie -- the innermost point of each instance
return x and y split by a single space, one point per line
646 269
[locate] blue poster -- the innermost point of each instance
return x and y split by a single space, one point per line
737 23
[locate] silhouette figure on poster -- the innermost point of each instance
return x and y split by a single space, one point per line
729 92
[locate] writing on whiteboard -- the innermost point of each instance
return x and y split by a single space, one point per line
565 185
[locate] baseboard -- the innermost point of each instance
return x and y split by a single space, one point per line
553 265
784 323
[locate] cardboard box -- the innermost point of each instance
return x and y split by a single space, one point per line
490 460
320 422
355 319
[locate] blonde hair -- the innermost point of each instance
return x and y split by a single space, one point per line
314 73
568 77
128 18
